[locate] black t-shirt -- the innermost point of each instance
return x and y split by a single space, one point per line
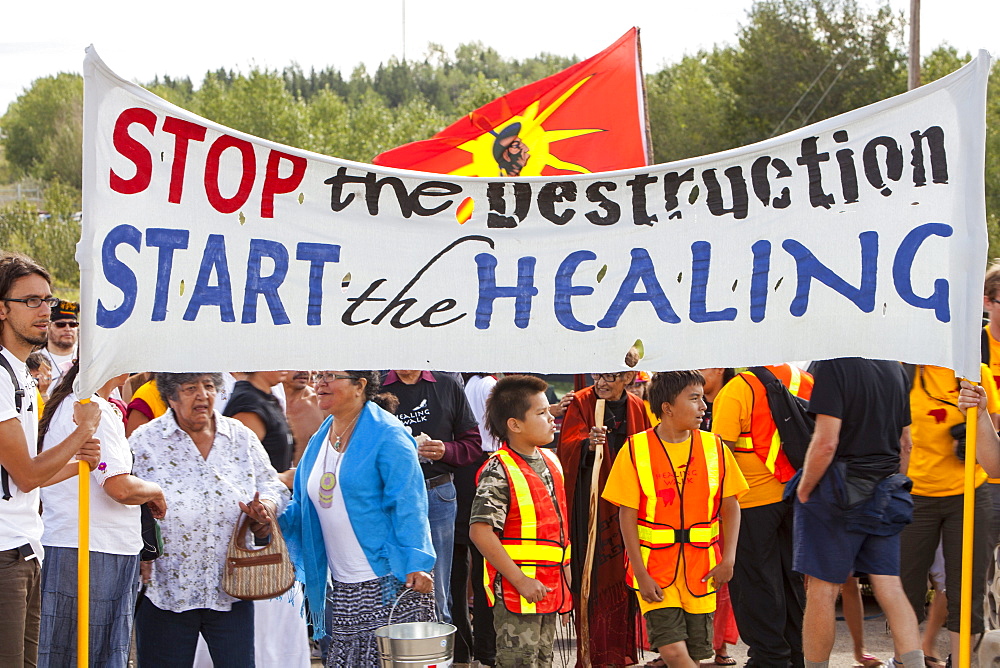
438 409
872 399
278 439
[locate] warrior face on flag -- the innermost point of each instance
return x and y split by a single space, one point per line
510 152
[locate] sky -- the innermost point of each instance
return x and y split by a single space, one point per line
187 38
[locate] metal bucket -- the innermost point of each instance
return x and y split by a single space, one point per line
412 644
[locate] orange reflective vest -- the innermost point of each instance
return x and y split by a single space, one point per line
763 438
535 535
679 525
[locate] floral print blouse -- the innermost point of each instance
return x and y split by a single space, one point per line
203 498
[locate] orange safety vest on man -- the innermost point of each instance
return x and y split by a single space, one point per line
535 535
763 438
679 524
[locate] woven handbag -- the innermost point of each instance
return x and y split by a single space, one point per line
254 575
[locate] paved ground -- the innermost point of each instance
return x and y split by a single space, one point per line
878 642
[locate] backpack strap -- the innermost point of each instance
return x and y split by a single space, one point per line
764 374
18 402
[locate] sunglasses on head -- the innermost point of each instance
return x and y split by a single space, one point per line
73 324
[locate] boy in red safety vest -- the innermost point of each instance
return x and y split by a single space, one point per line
518 522
677 488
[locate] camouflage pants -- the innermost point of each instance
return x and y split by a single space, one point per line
523 641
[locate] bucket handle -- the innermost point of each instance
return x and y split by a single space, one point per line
407 590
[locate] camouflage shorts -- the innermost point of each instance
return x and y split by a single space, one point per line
523 641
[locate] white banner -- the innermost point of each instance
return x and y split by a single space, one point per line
207 249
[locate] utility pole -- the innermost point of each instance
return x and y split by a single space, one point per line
404 31
913 78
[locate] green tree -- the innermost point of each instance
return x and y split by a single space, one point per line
42 131
49 235
257 103
690 105
800 61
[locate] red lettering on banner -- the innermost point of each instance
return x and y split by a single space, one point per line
229 204
134 150
184 131
275 185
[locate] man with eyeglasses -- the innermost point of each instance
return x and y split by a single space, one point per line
61 337
25 305
613 611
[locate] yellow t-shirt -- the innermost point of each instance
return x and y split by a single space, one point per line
149 393
934 468
623 489
994 355
730 418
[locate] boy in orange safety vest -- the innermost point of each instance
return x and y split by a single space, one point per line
677 488
518 522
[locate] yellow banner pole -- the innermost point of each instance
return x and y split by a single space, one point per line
83 569
965 617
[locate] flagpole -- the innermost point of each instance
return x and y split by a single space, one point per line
645 100
83 571
83 567
968 522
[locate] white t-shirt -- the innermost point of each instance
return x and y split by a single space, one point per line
59 365
20 522
114 528
477 391
344 555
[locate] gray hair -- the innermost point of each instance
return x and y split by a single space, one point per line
168 383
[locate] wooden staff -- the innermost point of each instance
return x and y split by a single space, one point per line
83 567
588 561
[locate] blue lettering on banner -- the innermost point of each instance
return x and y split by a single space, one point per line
522 293
565 290
118 274
213 286
220 294
902 268
641 269
318 255
167 241
701 258
758 280
267 286
809 267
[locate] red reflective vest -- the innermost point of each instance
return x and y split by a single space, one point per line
763 438
679 526
535 535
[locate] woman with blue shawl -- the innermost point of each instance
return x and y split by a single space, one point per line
358 516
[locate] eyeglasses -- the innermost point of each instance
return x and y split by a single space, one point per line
35 302
607 377
995 301
318 377
59 324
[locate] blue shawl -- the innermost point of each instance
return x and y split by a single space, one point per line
386 503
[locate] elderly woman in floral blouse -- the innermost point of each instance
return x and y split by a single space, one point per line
211 469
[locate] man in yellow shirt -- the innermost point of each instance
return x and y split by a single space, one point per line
937 468
991 357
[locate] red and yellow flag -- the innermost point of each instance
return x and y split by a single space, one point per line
588 118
